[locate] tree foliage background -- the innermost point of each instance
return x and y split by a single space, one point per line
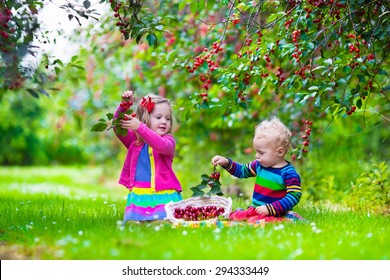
320 66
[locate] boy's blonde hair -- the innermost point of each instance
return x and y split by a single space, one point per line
144 116
276 131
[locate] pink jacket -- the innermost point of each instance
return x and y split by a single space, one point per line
163 153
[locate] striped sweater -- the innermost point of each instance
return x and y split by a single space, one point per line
279 189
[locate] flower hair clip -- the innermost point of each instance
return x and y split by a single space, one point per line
148 104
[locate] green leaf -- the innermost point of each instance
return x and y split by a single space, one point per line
100 126
341 81
205 177
328 61
110 116
217 183
202 186
361 78
197 192
121 131
347 69
214 190
182 5
138 39
386 87
194 7
317 103
33 93
243 105
359 103
152 39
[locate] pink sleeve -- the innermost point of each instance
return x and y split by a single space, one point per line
161 144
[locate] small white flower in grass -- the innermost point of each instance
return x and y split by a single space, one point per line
105 202
314 228
80 233
318 211
217 230
17 209
54 223
157 228
36 239
184 232
83 213
369 235
279 227
119 223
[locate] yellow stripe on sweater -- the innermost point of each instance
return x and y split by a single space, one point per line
142 191
152 169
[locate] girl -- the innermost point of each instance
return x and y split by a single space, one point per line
147 170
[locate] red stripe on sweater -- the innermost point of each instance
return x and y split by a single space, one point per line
270 193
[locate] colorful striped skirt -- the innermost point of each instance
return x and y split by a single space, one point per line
144 204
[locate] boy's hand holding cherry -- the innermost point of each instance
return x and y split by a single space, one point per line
219 160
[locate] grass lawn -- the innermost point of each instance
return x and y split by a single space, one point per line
69 213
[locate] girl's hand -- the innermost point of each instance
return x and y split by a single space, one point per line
127 94
130 122
262 210
219 160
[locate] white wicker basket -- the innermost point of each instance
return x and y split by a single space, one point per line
198 201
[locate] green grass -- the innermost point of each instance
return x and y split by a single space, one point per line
75 213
